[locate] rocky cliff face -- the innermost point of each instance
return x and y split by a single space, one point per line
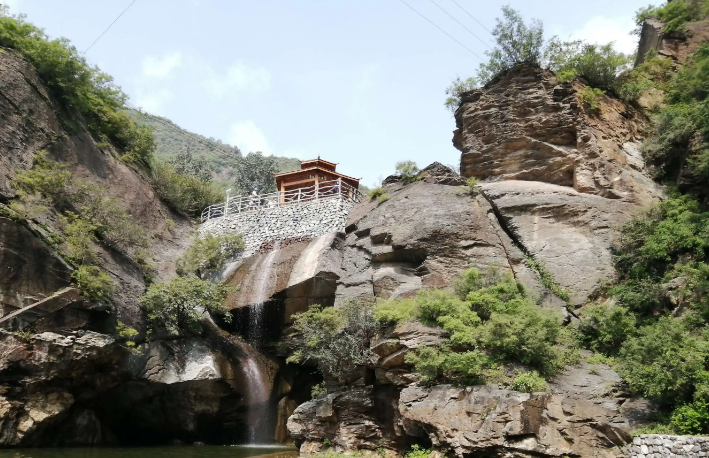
524 125
70 383
557 180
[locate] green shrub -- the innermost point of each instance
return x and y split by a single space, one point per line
441 364
495 319
529 382
654 72
418 452
318 390
93 283
382 198
408 171
208 255
604 328
456 90
600 65
184 193
691 419
516 42
179 304
665 361
337 340
126 334
375 193
80 88
472 183
473 280
80 238
592 98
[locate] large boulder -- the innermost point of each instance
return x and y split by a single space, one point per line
524 125
492 422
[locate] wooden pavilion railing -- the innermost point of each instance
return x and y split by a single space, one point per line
335 189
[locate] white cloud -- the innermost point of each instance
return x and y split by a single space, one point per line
154 101
601 30
238 77
160 68
248 137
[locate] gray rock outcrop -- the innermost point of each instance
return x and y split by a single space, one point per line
525 126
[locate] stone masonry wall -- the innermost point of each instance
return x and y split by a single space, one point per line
661 446
281 223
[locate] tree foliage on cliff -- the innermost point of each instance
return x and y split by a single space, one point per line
180 304
674 14
489 320
82 89
336 340
518 42
679 145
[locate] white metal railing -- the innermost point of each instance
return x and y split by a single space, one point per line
334 189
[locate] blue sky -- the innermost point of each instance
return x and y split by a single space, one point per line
358 82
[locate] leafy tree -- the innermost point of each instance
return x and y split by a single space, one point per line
517 42
180 304
335 339
600 65
407 170
255 171
456 90
185 163
185 193
93 283
665 361
605 328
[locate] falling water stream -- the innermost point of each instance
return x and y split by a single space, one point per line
258 414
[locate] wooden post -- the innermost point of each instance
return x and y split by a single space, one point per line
299 194
339 187
317 186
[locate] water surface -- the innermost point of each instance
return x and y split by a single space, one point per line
205 451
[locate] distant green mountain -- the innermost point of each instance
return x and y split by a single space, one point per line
222 158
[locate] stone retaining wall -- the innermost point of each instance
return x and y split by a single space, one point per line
259 227
661 446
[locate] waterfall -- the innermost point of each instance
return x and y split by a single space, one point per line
258 415
259 294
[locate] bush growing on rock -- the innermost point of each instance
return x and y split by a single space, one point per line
180 304
185 193
93 283
529 382
407 170
489 320
335 339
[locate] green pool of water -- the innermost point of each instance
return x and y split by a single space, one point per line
155 452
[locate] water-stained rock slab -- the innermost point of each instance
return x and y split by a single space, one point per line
570 233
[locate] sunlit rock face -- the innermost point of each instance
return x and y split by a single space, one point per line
524 125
